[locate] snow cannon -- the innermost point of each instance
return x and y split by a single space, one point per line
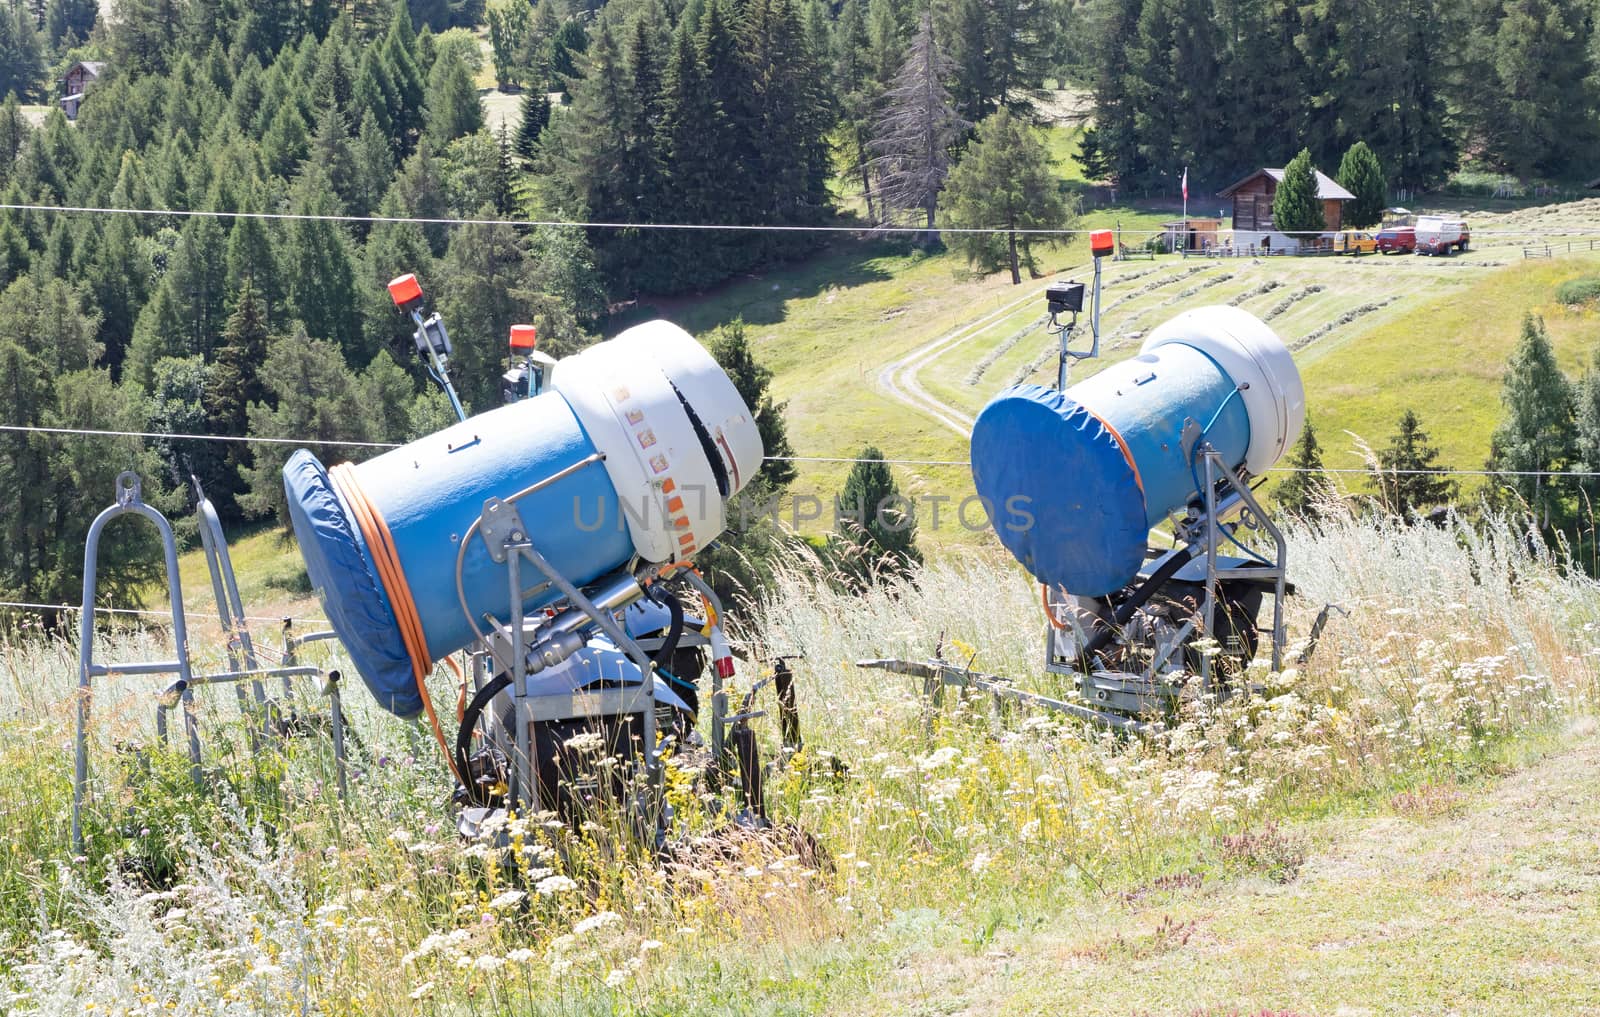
1076 479
623 465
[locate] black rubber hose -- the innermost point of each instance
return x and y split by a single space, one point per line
469 722
663 655
1140 597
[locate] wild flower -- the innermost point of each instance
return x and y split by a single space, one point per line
595 922
549 886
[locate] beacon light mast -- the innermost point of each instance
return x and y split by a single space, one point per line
1067 298
433 342
533 374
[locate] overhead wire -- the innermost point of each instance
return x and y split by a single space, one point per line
1540 232
176 436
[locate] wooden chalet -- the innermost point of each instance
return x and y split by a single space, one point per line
79 77
1252 208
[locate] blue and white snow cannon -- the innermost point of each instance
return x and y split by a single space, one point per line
1081 481
1078 479
626 463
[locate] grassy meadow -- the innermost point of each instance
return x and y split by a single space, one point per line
966 862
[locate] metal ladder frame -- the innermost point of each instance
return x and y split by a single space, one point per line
130 500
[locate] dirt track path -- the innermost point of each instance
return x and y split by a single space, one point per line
1479 902
898 379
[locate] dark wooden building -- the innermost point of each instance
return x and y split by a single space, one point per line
79 77
1252 208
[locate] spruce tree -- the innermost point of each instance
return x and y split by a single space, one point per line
453 108
1296 209
1307 487
1004 181
1537 434
22 56
1409 478
313 396
730 345
876 528
915 133
232 383
322 284
1361 175
535 118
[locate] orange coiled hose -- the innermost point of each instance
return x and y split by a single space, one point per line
381 543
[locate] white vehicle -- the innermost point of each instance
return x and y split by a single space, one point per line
1437 234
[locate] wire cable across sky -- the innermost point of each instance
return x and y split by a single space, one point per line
1540 233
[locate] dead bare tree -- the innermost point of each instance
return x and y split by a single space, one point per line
913 136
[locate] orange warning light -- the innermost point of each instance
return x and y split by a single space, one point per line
524 337
405 290
1101 243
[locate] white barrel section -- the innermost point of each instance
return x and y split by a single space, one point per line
1258 361
678 439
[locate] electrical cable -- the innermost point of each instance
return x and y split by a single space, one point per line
1357 471
1530 232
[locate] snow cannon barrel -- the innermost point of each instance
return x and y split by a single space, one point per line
634 451
1074 480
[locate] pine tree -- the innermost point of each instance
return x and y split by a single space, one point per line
14 131
453 109
1546 72
1537 434
24 469
197 279
1586 451
1361 175
1409 478
1296 209
730 345
372 167
322 285
400 64
232 383
915 133
68 22
965 32
315 396
143 32
692 129
81 468
1110 148
1307 487
22 57
535 118
481 284
1003 182
876 528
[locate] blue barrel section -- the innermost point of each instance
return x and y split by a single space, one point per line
429 493
1074 480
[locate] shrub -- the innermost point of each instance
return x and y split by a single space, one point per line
1579 291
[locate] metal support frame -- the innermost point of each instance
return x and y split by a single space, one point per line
507 539
240 646
230 610
129 500
1224 494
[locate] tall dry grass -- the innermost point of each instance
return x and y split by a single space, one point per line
270 897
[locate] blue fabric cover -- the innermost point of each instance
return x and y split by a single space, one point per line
1060 493
346 578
